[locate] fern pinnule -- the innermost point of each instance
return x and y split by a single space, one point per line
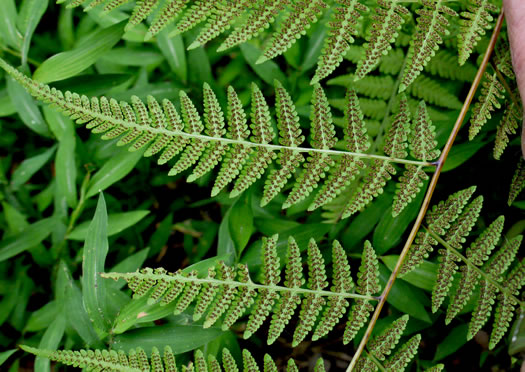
142 9
455 237
291 136
367 284
258 20
270 276
489 99
342 26
399 361
506 304
445 65
342 282
508 125
473 24
312 303
438 219
198 12
293 27
114 4
206 295
346 168
288 301
244 297
165 15
319 365
237 130
518 182
494 268
387 21
222 15
381 346
431 24
422 147
396 141
323 137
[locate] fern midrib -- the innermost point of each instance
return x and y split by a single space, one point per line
376 362
484 275
232 283
159 130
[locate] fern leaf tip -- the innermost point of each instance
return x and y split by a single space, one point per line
194 45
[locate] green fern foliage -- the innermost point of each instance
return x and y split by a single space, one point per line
518 181
489 99
226 293
473 24
381 346
431 24
449 224
389 17
137 361
507 126
244 152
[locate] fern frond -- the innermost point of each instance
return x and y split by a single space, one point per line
137 361
518 182
473 23
197 13
489 99
433 92
431 24
503 59
381 346
342 28
445 65
230 292
387 21
202 143
508 125
293 27
396 141
399 361
142 9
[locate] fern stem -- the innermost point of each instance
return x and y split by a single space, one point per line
430 191
233 283
376 362
486 277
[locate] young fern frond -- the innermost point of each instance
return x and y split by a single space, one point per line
137 360
231 292
518 181
489 99
473 25
431 24
449 224
204 143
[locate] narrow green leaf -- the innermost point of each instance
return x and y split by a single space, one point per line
132 56
6 354
423 276
241 222
50 341
113 171
26 108
130 264
454 340
16 221
462 152
30 166
28 238
31 11
93 259
41 318
88 51
117 222
188 337
8 30
6 105
175 53
268 71
66 170
161 235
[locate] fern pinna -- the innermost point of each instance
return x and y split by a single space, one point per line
136 360
228 292
252 17
495 274
243 158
